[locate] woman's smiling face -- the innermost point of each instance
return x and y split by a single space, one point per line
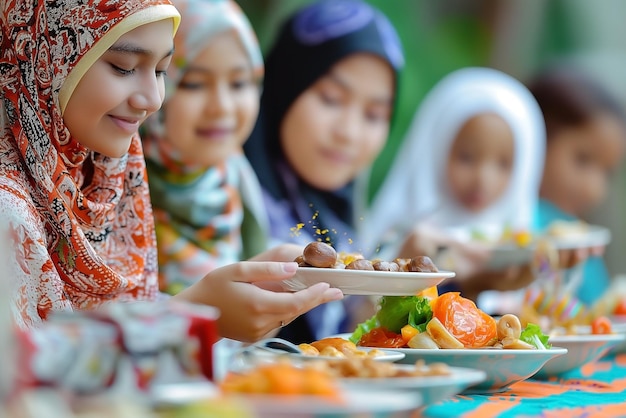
121 89
214 107
337 127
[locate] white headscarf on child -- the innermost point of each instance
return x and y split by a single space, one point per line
416 187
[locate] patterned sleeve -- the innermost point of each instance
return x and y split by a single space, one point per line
37 289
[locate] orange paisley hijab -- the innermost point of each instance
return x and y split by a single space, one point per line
76 246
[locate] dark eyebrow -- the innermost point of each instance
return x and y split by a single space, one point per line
342 83
238 69
127 48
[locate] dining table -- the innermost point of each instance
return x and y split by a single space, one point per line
597 389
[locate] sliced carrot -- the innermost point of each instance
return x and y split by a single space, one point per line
429 293
408 332
601 325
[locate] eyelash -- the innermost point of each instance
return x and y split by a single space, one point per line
122 71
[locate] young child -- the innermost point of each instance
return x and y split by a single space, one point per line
328 99
200 183
586 134
470 165
75 88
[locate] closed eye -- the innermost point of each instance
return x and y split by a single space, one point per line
121 70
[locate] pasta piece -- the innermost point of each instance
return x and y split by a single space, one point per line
509 326
423 340
441 335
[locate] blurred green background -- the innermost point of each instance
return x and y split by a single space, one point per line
515 36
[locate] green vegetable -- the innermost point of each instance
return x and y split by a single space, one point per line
397 311
363 328
394 313
532 335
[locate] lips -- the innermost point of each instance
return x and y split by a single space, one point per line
337 158
128 125
214 133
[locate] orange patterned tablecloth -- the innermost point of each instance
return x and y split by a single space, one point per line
596 390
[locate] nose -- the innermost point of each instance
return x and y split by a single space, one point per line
594 189
220 99
348 124
149 94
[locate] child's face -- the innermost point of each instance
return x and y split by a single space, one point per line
579 162
481 161
215 105
121 89
336 127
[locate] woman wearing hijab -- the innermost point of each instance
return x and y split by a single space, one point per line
200 183
328 99
78 78
470 165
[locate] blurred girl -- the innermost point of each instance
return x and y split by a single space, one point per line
328 99
586 134
200 183
468 169
75 88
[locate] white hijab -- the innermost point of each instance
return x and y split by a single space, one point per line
416 187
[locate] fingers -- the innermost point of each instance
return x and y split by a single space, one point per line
597 251
258 271
285 252
273 310
571 257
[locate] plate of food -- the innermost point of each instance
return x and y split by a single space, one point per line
433 382
576 234
324 349
451 329
507 247
283 388
356 275
364 282
508 255
502 367
199 399
581 349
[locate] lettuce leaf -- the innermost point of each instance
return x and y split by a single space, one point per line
363 328
397 311
532 335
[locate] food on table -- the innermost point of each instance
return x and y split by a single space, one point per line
337 347
508 235
283 378
601 325
620 307
322 255
368 368
567 228
447 321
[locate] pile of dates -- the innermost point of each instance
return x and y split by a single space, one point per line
322 255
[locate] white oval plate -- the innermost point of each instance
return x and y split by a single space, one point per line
503 367
581 349
592 236
388 355
383 403
431 388
363 282
507 255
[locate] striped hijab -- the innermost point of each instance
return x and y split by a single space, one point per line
198 210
